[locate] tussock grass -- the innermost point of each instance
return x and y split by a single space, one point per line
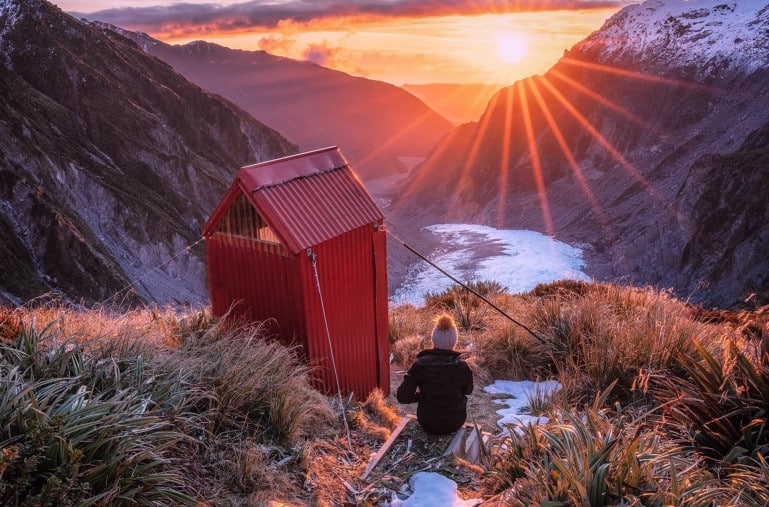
407 320
508 353
249 382
663 404
469 311
148 407
405 350
594 336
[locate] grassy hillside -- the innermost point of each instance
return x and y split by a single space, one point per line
663 404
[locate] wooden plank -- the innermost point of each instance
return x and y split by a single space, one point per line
386 446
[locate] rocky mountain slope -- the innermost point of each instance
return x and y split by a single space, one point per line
647 144
373 122
110 163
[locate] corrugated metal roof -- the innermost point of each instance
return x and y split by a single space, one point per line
308 198
283 170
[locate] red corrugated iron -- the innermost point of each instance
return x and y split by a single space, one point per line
310 211
283 170
305 210
310 201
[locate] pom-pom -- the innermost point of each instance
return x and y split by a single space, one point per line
445 322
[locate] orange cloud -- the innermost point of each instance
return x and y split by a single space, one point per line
276 44
321 53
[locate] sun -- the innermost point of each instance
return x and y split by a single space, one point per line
512 47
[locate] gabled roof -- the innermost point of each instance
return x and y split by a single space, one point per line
306 199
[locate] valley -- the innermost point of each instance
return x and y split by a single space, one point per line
612 212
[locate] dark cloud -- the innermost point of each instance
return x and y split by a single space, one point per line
205 18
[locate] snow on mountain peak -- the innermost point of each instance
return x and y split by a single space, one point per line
711 34
9 15
7 4
9 9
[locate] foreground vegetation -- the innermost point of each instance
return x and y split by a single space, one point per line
663 404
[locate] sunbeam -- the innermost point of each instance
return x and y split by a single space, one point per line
630 168
480 134
618 71
536 164
603 100
409 129
504 166
533 87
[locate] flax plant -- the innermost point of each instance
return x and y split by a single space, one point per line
598 458
70 436
721 408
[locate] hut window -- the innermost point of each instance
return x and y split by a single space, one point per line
243 220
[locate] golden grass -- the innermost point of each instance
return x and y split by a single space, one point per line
264 436
590 336
407 320
252 380
405 350
245 400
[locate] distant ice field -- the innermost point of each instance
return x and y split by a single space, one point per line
516 259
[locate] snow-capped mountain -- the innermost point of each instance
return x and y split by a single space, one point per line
708 35
110 163
647 143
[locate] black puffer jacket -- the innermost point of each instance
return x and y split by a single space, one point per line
440 382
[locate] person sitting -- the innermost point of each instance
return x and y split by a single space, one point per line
439 382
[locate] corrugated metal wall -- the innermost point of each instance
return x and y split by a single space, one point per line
381 300
348 284
259 281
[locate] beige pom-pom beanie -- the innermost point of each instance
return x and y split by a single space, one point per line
444 333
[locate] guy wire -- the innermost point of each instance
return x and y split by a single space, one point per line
463 285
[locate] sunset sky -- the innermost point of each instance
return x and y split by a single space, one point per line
399 41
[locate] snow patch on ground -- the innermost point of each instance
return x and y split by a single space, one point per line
521 392
433 490
516 259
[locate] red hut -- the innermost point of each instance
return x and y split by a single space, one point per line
300 240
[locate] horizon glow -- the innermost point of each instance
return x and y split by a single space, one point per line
476 47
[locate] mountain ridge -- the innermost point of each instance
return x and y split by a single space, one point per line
110 164
648 139
374 123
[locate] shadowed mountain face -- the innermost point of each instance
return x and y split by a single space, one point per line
647 144
110 163
373 123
